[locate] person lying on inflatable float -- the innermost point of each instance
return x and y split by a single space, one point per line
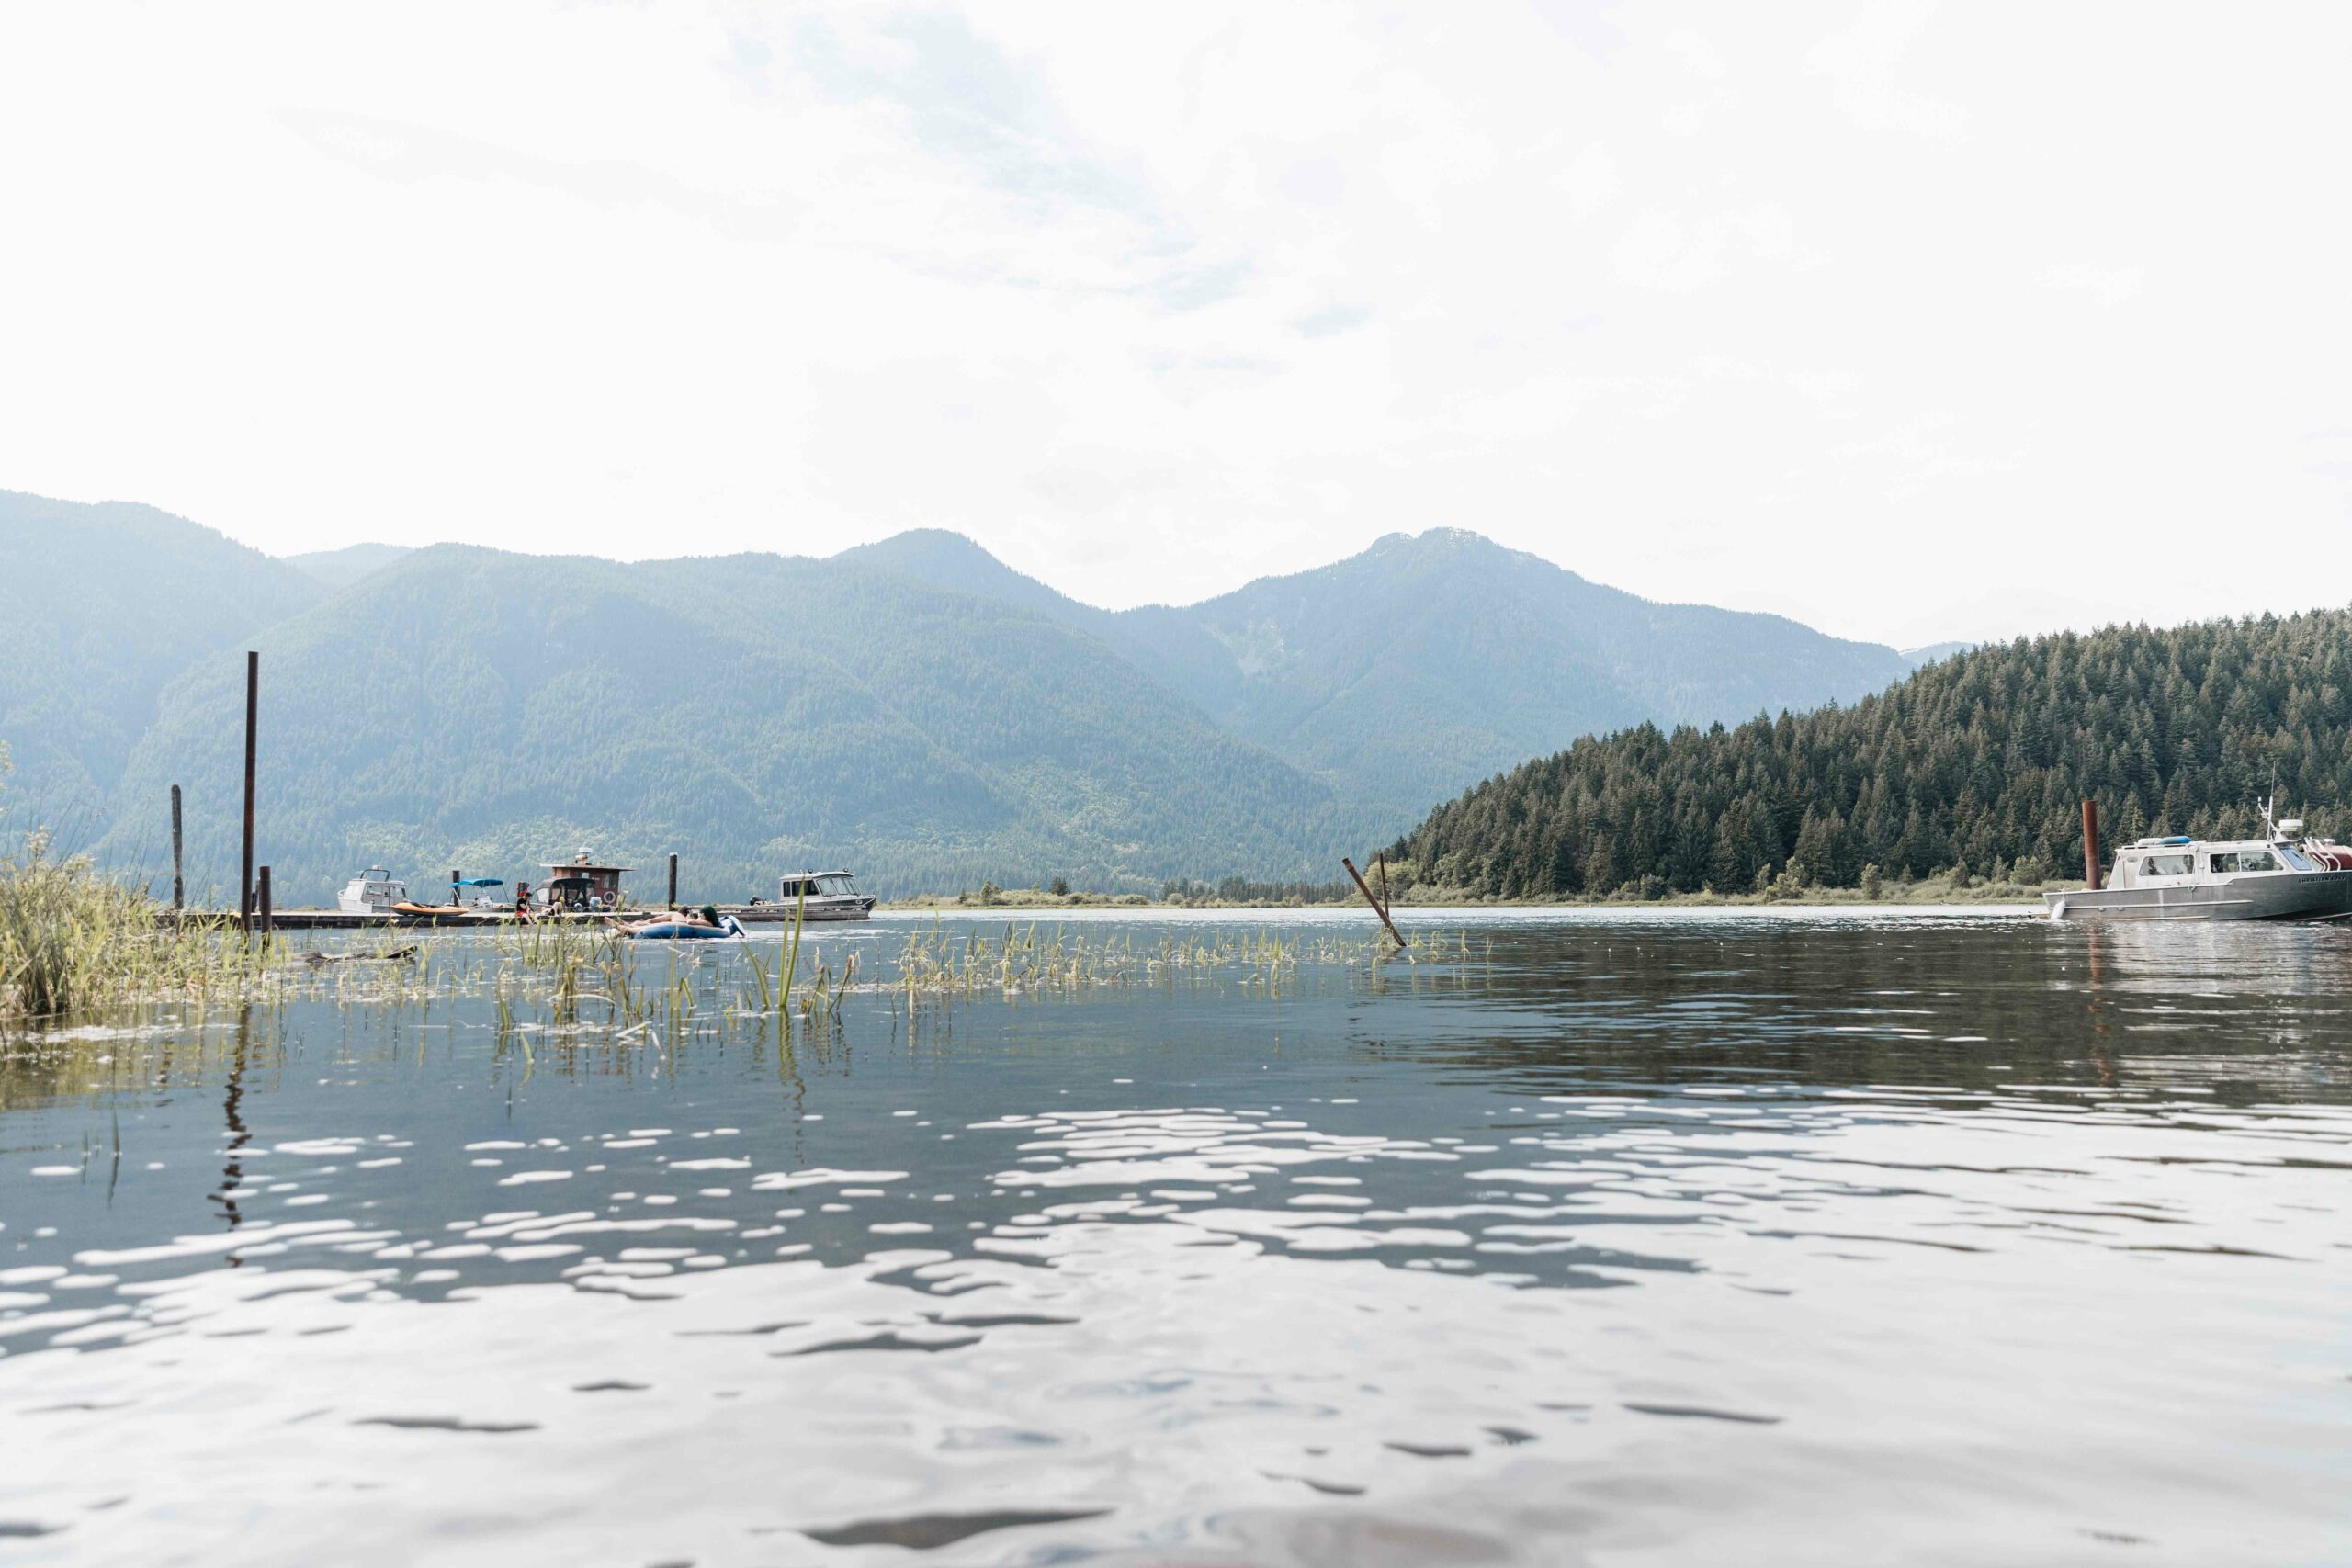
704 924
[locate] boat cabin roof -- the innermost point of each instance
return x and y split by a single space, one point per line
580 868
2197 846
801 874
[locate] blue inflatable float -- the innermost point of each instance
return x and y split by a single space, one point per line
689 931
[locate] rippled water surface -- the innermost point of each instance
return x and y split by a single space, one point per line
1688 1239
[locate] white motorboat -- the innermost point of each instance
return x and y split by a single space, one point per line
372 892
815 895
2283 876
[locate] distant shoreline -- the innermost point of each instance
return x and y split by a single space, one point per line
1923 894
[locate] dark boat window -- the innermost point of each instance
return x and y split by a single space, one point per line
2245 860
2169 865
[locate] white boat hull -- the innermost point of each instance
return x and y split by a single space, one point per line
856 908
2262 896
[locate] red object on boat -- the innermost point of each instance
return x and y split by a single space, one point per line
2329 854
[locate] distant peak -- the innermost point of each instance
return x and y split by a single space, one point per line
1436 539
919 543
1458 546
932 536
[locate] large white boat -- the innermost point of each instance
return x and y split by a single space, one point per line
372 892
815 895
2283 876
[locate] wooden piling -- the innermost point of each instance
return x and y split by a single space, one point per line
263 893
2090 845
674 879
179 887
457 899
245 861
1376 907
1380 868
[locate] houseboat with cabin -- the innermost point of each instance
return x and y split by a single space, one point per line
579 886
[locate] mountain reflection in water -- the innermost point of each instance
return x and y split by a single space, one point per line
1628 1239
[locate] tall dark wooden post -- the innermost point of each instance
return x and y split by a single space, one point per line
455 899
179 887
2090 845
264 896
673 880
253 719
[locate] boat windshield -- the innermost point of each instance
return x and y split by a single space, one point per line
2296 858
2245 860
836 886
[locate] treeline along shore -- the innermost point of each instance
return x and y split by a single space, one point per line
1971 770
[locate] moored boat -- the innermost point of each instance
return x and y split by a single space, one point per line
373 892
2283 876
809 896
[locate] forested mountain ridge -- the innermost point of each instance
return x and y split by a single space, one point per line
472 709
913 709
1978 760
101 607
1428 660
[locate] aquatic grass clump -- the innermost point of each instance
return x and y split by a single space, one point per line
74 941
943 965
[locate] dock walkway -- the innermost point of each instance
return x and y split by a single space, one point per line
460 918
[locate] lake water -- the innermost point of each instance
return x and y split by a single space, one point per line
1689 1237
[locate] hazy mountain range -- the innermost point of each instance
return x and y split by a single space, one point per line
914 709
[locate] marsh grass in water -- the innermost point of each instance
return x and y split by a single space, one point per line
74 942
585 996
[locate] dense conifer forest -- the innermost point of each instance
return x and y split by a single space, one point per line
1978 762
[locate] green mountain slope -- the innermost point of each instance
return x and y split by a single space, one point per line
480 711
1980 760
101 606
1424 663
912 708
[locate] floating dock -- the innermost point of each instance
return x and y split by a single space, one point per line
457 918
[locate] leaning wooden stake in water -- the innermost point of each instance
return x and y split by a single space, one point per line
1372 901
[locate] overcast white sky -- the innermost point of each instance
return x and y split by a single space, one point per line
1912 324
